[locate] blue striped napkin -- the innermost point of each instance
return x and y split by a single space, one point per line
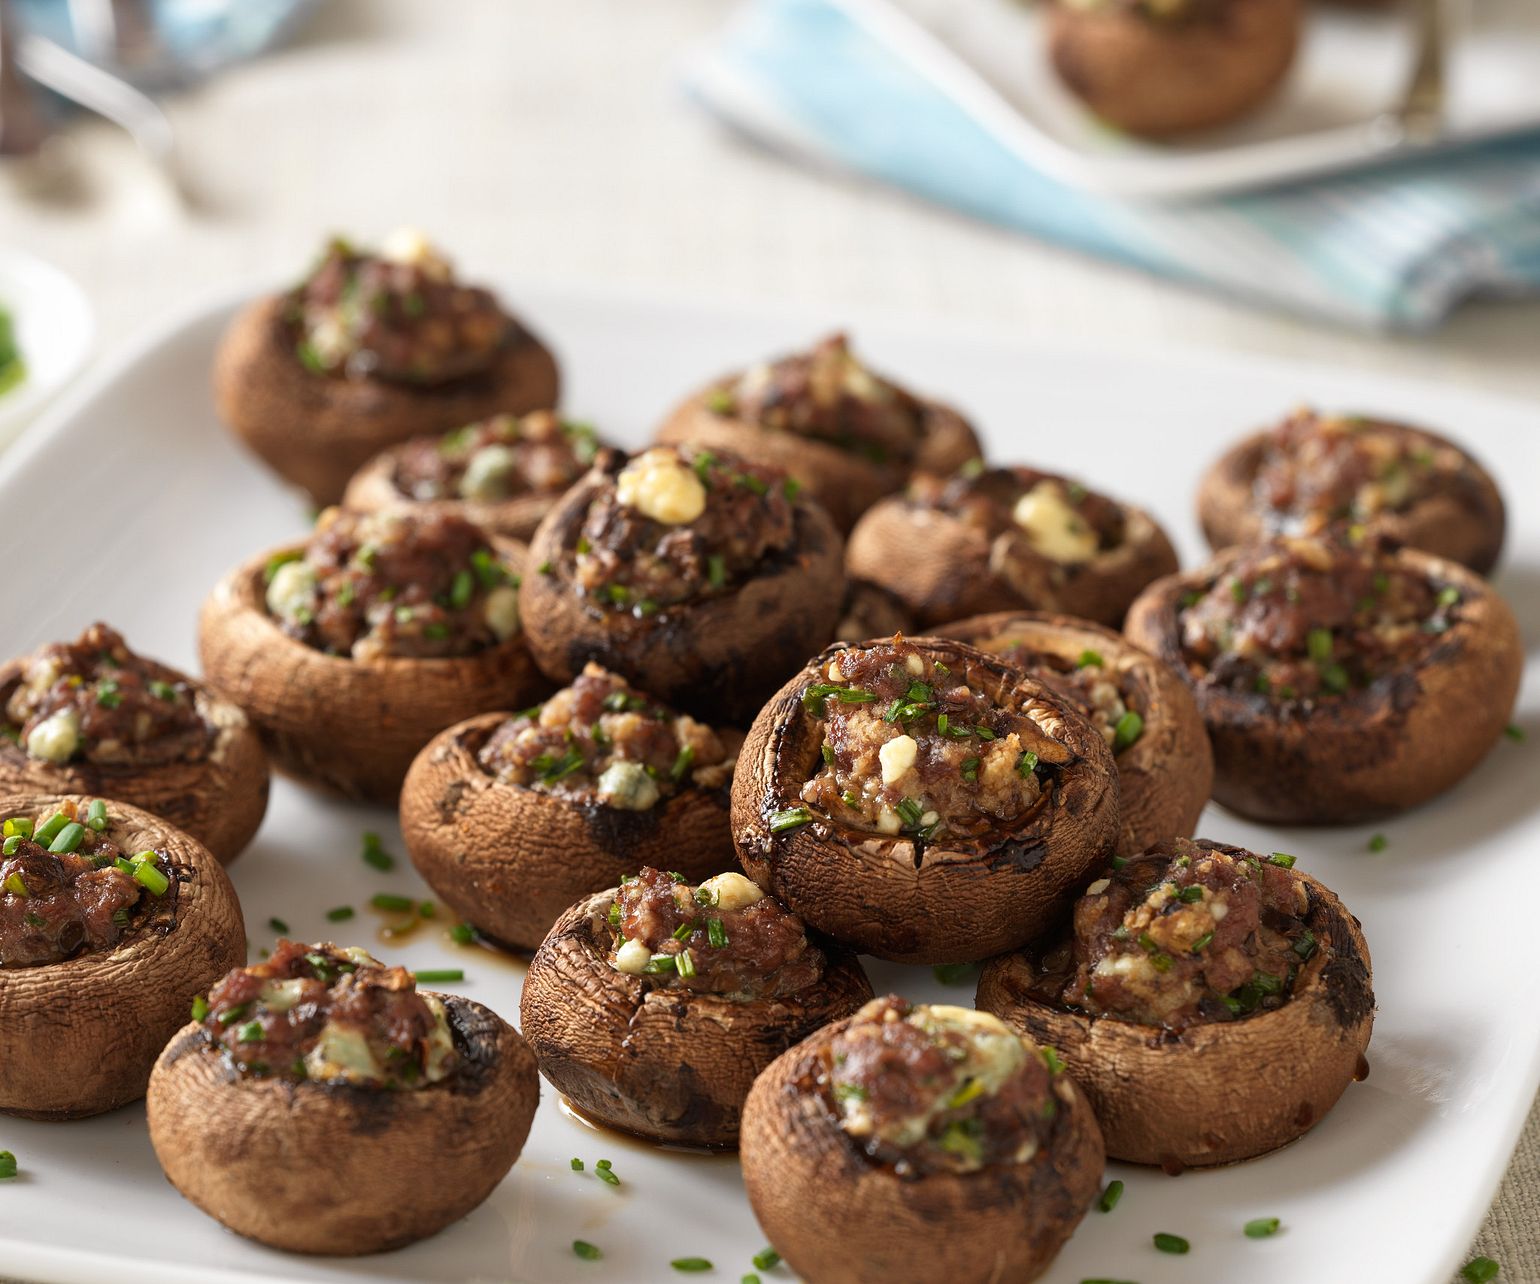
1393 247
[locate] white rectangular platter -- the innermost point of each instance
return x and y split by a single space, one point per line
129 502
1352 69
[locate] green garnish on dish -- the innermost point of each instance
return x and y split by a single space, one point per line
12 368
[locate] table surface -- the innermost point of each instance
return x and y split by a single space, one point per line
551 141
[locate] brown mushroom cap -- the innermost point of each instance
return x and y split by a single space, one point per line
938 905
1165 776
316 431
510 859
1156 77
1221 1091
218 798
718 658
337 1169
348 726
661 1062
81 1035
943 569
1403 740
1467 529
839 1218
373 488
845 482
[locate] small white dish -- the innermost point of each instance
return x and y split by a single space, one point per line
1330 116
55 331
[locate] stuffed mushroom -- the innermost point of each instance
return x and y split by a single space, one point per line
319 1102
111 921
1163 67
1314 471
919 1142
1142 708
372 348
701 577
923 801
1213 1003
351 650
1340 680
92 717
849 435
512 817
998 539
652 1006
504 473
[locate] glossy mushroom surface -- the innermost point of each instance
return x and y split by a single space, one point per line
370 349
923 801
350 651
1142 708
653 1006
322 1104
513 817
701 577
918 1143
1314 471
1213 1003
822 416
1339 680
504 473
994 539
111 921
93 717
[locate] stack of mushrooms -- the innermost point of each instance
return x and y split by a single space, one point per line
698 727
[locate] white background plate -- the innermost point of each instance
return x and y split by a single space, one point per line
1390 1187
54 332
1352 67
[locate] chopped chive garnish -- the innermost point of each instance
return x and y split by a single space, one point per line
684 931
426 909
716 570
49 829
682 764
1261 1227
1052 1059
1304 944
789 818
96 815
691 1265
953 973
1170 1243
1190 894
277 560
17 827
577 1165
588 1252
8 848
439 975
970 769
684 963
1448 595
392 903
606 1175
375 855
604 1165
1479 1270
1110 1196
749 1278
767 1259
1378 843
147 876
1129 728
1202 943
1089 659
462 590
339 915
715 933
200 1008
251 1032
7 1165
1282 859
1026 764
1514 732
462 934
279 926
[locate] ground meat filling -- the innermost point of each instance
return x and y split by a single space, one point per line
1048 518
330 1015
680 524
1318 470
405 584
910 747
940 1089
1185 934
95 701
601 740
398 315
1311 618
725 937
496 459
1104 696
826 394
66 888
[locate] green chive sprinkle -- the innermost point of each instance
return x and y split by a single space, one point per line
1026 764
1282 859
604 1165
750 1278
1262 1227
691 1265
588 1252
1514 732
147 876
438 975
1479 1270
953 973
606 1175
200 1008
789 818
1170 1243
1378 843
8 848
7 1165
1110 1196
96 815
251 1032
1089 659
49 829
392 903
1203 942
767 1259
577 1165
1129 728
462 934
339 915
375 854
69 838
279 926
